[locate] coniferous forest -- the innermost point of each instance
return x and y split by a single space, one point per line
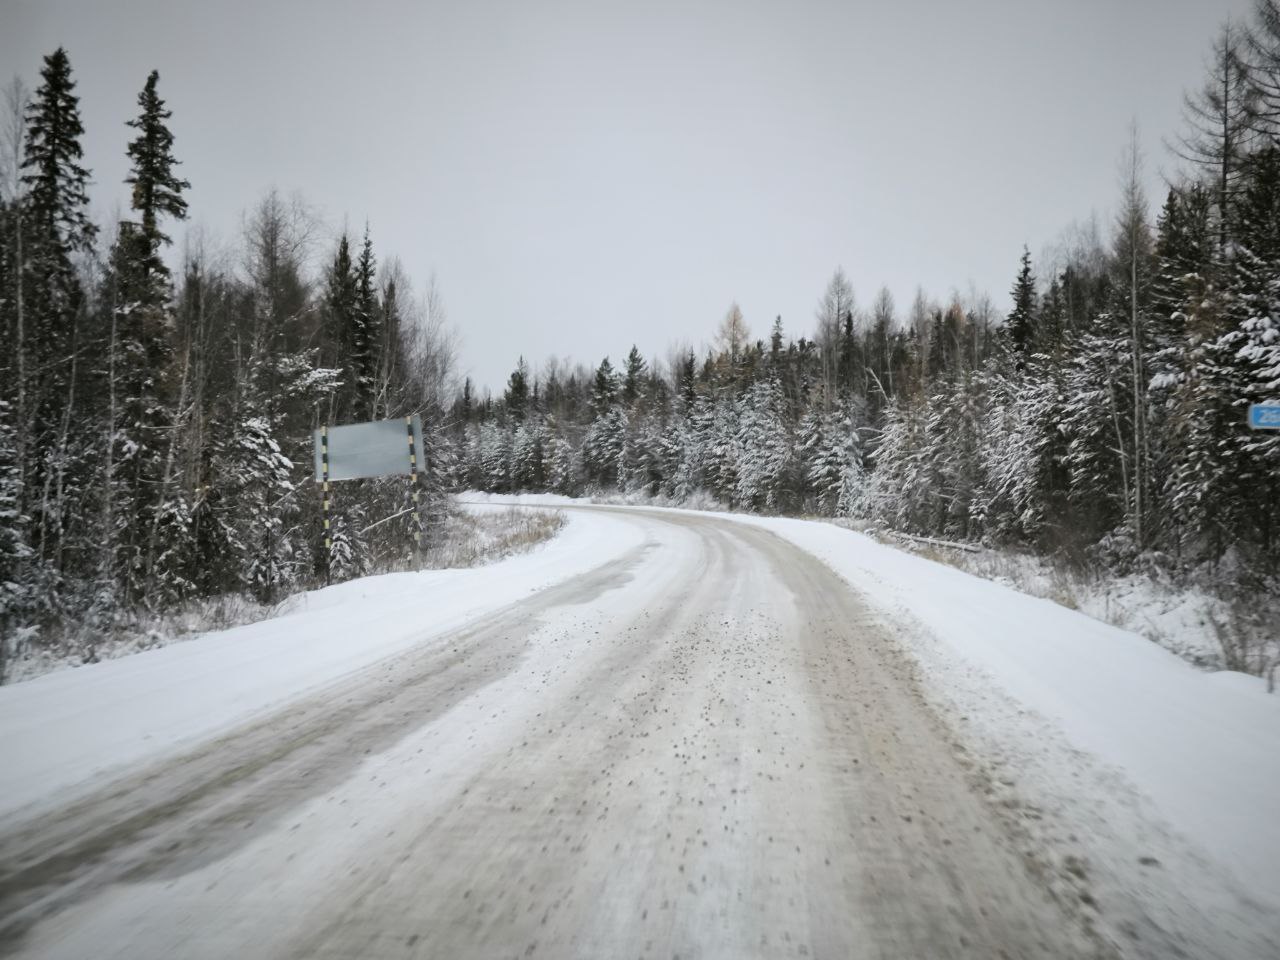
157 399
156 411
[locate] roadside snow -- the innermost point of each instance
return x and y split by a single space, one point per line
1189 620
1204 747
71 726
465 539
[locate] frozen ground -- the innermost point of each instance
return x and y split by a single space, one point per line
664 733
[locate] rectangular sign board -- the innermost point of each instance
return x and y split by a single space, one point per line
378 449
1264 416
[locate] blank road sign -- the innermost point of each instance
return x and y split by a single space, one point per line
1264 416
378 449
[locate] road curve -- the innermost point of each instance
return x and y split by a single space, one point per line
709 748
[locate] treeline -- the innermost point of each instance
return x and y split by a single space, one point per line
1103 418
155 423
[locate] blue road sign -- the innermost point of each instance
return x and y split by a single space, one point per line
1264 416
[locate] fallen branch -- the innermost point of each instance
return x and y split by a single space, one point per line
967 547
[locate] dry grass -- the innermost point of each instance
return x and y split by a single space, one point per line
472 539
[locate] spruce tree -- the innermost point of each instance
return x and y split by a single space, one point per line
1021 320
763 444
517 394
57 229
141 347
633 379
688 386
605 391
365 332
339 319
157 191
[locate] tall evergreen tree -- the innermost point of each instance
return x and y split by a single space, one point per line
141 345
517 394
339 320
157 190
365 332
57 229
634 377
1021 320
604 393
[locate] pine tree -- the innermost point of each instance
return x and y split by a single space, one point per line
468 402
528 452
517 395
1052 324
718 448
264 557
494 451
634 377
764 455
604 393
644 460
901 490
141 355
832 458
603 448
340 297
688 387
365 332
1021 320
157 191
565 467
57 229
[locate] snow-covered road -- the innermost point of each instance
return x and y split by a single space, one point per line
683 735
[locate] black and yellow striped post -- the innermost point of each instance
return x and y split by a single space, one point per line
417 489
324 499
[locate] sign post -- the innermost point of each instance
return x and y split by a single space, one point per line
324 501
356 450
413 472
1264 416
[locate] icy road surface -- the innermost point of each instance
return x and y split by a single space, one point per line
708 745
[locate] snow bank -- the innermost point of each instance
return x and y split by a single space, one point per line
69 726
1204 747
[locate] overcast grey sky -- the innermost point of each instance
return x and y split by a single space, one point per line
582 175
